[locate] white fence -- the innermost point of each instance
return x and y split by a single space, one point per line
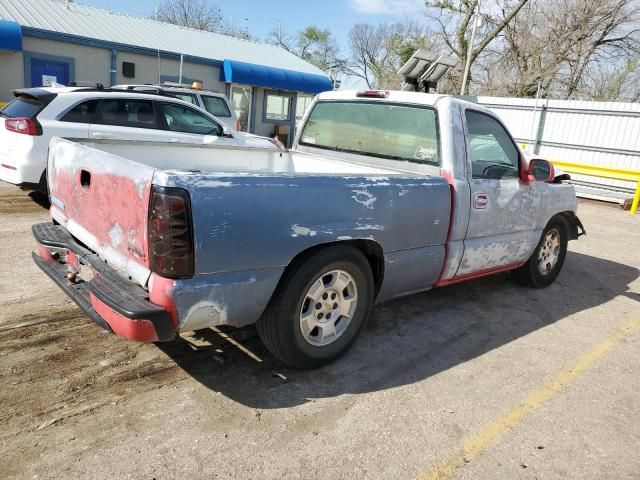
604 134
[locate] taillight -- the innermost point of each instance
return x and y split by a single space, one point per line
373 93
238 126
170 233
25 126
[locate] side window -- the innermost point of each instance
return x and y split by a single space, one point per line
81 113
215 106
493 154
181 119
127 113
187 97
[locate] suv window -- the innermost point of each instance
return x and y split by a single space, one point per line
215 106
493 154
187 97
182 119
81 113
22 107
380 129
127 113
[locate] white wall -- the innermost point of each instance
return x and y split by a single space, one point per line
146 70
91 64
592 133
11 74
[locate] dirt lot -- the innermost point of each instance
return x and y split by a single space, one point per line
480 380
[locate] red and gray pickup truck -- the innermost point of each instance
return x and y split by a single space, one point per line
383 194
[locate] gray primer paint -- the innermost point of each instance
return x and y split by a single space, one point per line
249 227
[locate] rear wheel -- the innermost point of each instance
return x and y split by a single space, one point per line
319 308
545 263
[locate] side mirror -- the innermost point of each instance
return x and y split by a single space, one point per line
225 132
542 170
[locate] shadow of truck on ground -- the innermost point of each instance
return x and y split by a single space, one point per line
406 340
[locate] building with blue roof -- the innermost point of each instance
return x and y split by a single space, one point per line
44 41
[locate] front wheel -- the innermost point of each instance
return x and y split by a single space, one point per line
547 259
319 308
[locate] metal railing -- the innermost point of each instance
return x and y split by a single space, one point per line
604 172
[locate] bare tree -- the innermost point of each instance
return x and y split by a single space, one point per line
569 47
378 51
454 18
198 14
315 45
280 37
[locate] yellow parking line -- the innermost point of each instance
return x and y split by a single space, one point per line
473 446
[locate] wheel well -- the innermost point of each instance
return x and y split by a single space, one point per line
369 248
571 223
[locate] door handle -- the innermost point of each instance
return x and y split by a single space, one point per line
101 135
480 201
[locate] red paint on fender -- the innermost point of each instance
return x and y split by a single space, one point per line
161 293
138 330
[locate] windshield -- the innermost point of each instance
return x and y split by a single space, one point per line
380 129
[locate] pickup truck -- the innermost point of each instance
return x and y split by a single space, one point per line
383 194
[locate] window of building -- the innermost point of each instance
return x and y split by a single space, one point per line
493 154
187 120
277 107
81 113
241 100
127 113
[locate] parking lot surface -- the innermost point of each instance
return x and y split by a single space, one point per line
485 379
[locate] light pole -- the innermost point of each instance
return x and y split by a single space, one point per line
467 66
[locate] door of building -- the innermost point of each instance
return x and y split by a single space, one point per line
44 72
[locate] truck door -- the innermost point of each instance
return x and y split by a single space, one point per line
503 208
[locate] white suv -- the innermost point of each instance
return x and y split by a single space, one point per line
28 123
216 103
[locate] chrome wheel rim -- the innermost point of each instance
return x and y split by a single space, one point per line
328 307
549 252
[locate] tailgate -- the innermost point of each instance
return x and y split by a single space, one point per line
102 200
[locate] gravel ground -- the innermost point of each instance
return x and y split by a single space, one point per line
429 390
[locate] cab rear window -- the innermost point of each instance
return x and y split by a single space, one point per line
22 107
380 129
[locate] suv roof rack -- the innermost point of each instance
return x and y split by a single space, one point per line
82 83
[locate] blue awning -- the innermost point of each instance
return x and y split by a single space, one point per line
10 36
263 76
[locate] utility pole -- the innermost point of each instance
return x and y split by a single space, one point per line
467 67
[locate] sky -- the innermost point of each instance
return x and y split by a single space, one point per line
261 16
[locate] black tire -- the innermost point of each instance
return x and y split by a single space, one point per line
279 327
530 273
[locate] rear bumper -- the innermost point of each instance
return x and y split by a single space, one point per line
110 300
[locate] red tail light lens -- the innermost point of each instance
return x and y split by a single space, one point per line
25 126
238 126
170 233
